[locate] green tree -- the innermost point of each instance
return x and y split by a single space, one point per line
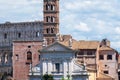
47 77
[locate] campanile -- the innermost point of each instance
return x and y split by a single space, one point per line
51 20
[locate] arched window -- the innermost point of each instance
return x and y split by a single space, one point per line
5 36
19 35
37 34
47 19
52 30
52 19
29 55
16 57
47 7
48 30
52 7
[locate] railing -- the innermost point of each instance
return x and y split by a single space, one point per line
80 73
85 55
35 73
57 73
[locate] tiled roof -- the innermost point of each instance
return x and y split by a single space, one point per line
88 44
104 76
105 48
82 44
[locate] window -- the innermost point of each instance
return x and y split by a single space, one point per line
19 35
81 53
39 57
101 57
52 19
37 34
48 30
29 46
16 57
57 67
47 7
5 36
47 19
29 55
109 57
52 30
89 53
106 72
52 7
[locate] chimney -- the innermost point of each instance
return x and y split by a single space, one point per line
105 42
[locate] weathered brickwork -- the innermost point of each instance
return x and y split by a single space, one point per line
9 32
51 19
22 60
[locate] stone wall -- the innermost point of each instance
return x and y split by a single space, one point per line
9 32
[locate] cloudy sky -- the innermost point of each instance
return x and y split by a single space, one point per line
83 19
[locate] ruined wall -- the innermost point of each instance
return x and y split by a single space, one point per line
9 32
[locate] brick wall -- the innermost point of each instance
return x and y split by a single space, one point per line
20 49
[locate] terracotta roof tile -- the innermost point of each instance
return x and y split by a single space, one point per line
88 44
82 44
105 48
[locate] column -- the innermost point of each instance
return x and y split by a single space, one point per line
44 67
70 70
65 68
49 67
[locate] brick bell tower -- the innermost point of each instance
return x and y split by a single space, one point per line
51 20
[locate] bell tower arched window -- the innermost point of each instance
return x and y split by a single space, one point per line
47 19
52 7
52 30
52 19
47 7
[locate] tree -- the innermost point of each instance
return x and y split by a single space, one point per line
47 77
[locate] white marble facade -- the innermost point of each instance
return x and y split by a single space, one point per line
59 61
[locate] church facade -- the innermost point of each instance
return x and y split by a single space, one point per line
59 61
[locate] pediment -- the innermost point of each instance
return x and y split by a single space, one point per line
57 47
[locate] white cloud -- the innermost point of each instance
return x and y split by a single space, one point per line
82 27
117 30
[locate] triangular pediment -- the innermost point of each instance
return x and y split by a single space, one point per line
57 47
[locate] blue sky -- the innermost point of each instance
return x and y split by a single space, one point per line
83 19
